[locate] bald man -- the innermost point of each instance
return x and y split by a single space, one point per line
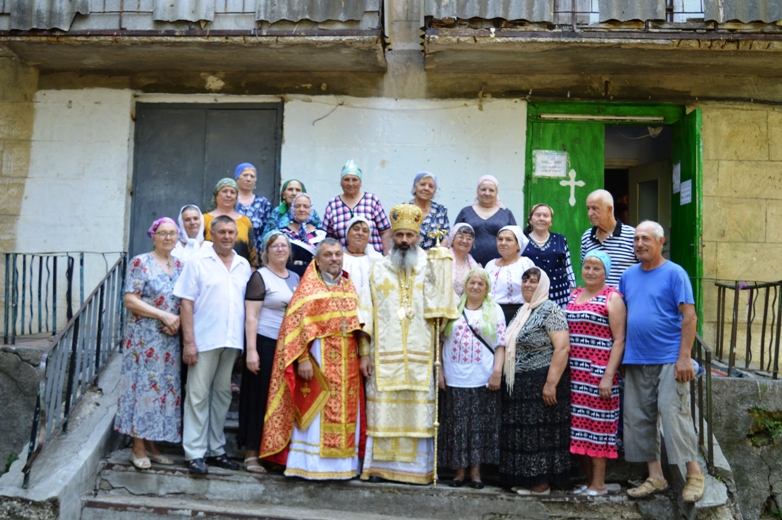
608 235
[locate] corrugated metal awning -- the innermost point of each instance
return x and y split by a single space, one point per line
745 11
628 10
46 14
183 10
529 10
314 10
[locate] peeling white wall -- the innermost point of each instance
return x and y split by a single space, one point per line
391 140
76 192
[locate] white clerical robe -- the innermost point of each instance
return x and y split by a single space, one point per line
397 310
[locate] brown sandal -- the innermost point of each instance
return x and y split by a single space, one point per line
651 486
693 488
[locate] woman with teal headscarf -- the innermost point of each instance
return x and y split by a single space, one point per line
280 216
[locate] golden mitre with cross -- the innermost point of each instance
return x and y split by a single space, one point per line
406 216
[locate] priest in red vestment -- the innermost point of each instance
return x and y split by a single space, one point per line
313 418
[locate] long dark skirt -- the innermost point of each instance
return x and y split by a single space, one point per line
509 310
253 394
535 438
470 431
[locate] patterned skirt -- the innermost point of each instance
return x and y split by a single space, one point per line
470 428
535 438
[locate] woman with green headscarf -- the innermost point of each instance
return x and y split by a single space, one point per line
280 216
223 202
473 354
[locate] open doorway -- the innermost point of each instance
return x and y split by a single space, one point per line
637 172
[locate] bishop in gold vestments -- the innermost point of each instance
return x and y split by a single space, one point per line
405 294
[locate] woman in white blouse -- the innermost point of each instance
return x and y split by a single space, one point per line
268 293
505 272
473 354
359 255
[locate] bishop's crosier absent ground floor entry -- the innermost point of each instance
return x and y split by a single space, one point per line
566 160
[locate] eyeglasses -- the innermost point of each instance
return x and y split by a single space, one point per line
170 234
278 246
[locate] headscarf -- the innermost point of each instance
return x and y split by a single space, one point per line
455 229
603 257
423 175
488 307
282 209
351 168
368 249
239 169
301 234
183 234
156 224
521 238
222 183
493 179
539 297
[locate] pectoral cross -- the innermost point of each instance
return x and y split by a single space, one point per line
344 327
437 235
572 183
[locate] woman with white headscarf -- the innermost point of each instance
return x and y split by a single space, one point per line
191 232
435 215
506 271
487 216
359 253
303 236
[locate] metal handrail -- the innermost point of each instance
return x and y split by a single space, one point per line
772 310
701 392
74 358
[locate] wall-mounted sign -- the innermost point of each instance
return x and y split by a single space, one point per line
677 177
686 192
549 163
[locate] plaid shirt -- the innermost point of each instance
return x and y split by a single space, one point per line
435 220
258 212
338 214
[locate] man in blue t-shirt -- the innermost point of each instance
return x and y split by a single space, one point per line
661 324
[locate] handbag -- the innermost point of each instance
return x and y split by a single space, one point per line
475 333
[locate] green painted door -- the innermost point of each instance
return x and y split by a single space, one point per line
687 150
584 144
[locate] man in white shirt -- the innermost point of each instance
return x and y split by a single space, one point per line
211 287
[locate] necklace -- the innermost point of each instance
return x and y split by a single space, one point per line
406 294
160 259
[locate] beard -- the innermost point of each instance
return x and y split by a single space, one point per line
404 259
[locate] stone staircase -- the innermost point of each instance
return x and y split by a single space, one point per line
122 492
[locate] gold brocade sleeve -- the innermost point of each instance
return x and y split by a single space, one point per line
439 297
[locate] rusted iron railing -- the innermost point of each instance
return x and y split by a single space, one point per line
700 400
766 294
74 359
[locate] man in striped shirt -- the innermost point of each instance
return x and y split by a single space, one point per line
608 235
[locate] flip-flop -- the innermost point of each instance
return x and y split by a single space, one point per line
592 493
577 490
140 462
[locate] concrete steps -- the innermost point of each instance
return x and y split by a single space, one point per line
171 491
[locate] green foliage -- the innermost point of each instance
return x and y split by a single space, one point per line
10 460
766 428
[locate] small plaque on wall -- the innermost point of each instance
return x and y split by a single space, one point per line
549 163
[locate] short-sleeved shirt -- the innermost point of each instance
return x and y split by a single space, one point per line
217 294
554 258
467 362
654 323
435 220
618 246
338 214
534 349
506 280
484 248
275 293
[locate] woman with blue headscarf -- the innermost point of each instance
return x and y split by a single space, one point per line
596 316
435 215
254 207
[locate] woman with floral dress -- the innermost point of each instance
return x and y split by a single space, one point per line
150 391
435 215
254 207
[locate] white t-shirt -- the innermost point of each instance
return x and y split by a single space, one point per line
466 361
218 296
506 280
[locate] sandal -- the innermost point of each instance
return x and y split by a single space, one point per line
253 468
592 493
693 488
160 459
140 462
651 486
577 490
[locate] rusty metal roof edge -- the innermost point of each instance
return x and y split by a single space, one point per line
339 33
603 35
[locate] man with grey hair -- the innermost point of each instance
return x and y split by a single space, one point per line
608 235
212 287
661 323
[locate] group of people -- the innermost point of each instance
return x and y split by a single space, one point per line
341 324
